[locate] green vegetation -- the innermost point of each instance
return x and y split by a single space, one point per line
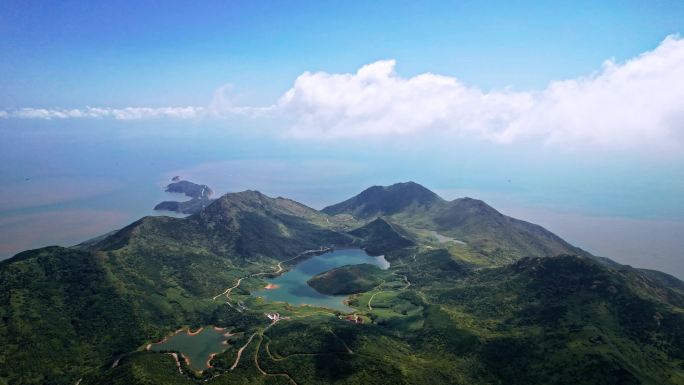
380 200
437 315
347 279
550 319
141 368
379 237
493 239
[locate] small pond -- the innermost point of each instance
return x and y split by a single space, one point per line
196 347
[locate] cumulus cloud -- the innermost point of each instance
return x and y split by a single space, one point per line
635 104
624 105
377 101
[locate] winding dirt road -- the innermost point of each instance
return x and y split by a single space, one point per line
263 372
239 353
371 299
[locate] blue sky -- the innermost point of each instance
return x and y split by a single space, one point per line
76 53
568 114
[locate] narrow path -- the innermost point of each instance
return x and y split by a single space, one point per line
423 297
263 372
260 333
371 299
272 357
374 294
116 363
303 253
228 290
342 341
239 353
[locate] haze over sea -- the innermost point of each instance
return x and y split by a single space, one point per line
63 182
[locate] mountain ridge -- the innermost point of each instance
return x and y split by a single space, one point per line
491 234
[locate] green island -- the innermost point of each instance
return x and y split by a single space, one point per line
350 279
490 300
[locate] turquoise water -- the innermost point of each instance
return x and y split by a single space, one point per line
292 286
197 348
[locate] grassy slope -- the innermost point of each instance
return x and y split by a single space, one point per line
552 319
56 304
493 239
379 237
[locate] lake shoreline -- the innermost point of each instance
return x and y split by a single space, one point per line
294 290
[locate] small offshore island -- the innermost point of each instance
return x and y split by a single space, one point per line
349 279
199 195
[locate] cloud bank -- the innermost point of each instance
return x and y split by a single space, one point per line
635 104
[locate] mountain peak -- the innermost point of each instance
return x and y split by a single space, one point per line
418 191
244 197
385 200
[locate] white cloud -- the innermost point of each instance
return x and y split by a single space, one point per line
623 106
638 104
377 101
128 113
